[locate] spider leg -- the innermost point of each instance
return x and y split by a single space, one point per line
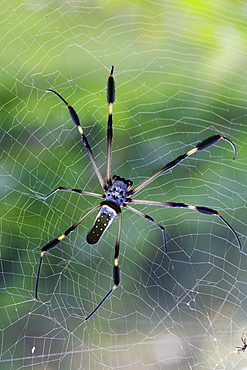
76 121
151 220
54 242
75 191
110 100
116 271
200 209
202 145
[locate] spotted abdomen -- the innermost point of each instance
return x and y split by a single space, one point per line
104 218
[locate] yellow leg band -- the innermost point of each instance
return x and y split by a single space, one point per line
80 130
192 151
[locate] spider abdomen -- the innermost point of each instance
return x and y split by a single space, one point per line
103 220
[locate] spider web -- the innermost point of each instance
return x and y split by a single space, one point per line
180 72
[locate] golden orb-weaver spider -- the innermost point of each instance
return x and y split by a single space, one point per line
117 193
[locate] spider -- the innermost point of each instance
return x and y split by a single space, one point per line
243 348
118 192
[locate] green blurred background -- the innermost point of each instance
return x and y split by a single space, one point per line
180 73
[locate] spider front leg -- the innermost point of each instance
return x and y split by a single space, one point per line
116 271
110 100
75 119
200 146
54 242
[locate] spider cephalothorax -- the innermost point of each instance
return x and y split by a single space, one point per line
117 193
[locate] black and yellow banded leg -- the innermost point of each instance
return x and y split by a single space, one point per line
54 242
110 100
76 121
116 271
202 145
200 209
